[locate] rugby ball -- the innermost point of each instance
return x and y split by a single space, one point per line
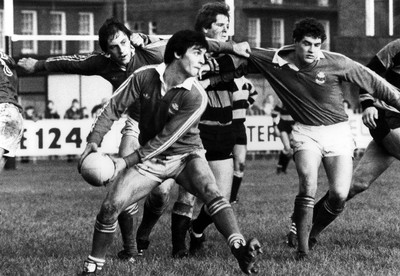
97 168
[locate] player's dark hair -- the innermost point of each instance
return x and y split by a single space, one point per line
109 28
308 27
208 15
181 41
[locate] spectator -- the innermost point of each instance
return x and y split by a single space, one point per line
269 104
74 112
51 112
30 114
85 112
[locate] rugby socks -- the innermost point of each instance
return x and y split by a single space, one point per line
303 213
179 227
319 205
224 219
102 238
126 225
202 221
326 214
237 181
153 208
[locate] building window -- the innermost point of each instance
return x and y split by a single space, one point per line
254 32
29 27
327 44
369 17
2 43
278 33
279 2
323 3
137 26
86 27
57 27
152 28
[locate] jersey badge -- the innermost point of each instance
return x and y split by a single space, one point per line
173 108
321 78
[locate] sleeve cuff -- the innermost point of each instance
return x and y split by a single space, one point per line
367 103
40 66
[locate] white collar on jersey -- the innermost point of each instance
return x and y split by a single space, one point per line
280 61
187 83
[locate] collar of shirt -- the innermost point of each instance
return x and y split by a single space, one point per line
280 61
187 83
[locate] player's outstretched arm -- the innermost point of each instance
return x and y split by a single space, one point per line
90 147
28 64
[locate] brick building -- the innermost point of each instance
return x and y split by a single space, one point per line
58 17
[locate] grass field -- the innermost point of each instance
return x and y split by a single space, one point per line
48 211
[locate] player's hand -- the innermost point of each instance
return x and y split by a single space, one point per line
90 147
28 64
137 40
205 83
369 116
242 49
119 164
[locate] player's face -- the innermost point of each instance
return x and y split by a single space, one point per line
219 29
192 61
308 49
119 47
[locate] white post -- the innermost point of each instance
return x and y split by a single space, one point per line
390 17
8 24
231 4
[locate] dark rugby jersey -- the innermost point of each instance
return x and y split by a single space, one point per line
8 81
168 123
313 95
386 63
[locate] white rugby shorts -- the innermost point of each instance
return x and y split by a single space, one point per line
332 140
162 167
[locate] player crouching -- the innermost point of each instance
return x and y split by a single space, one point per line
171 101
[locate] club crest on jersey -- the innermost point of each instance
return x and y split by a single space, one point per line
173 108
320 78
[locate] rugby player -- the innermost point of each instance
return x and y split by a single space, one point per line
116 63
171 147
383 122
11 121
309 83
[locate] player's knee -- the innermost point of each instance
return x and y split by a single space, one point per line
242 166
108 213
337 201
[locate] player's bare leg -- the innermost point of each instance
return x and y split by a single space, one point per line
307 164
223 172
372 164
339 171
126 219
239 159
198 179
122 193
